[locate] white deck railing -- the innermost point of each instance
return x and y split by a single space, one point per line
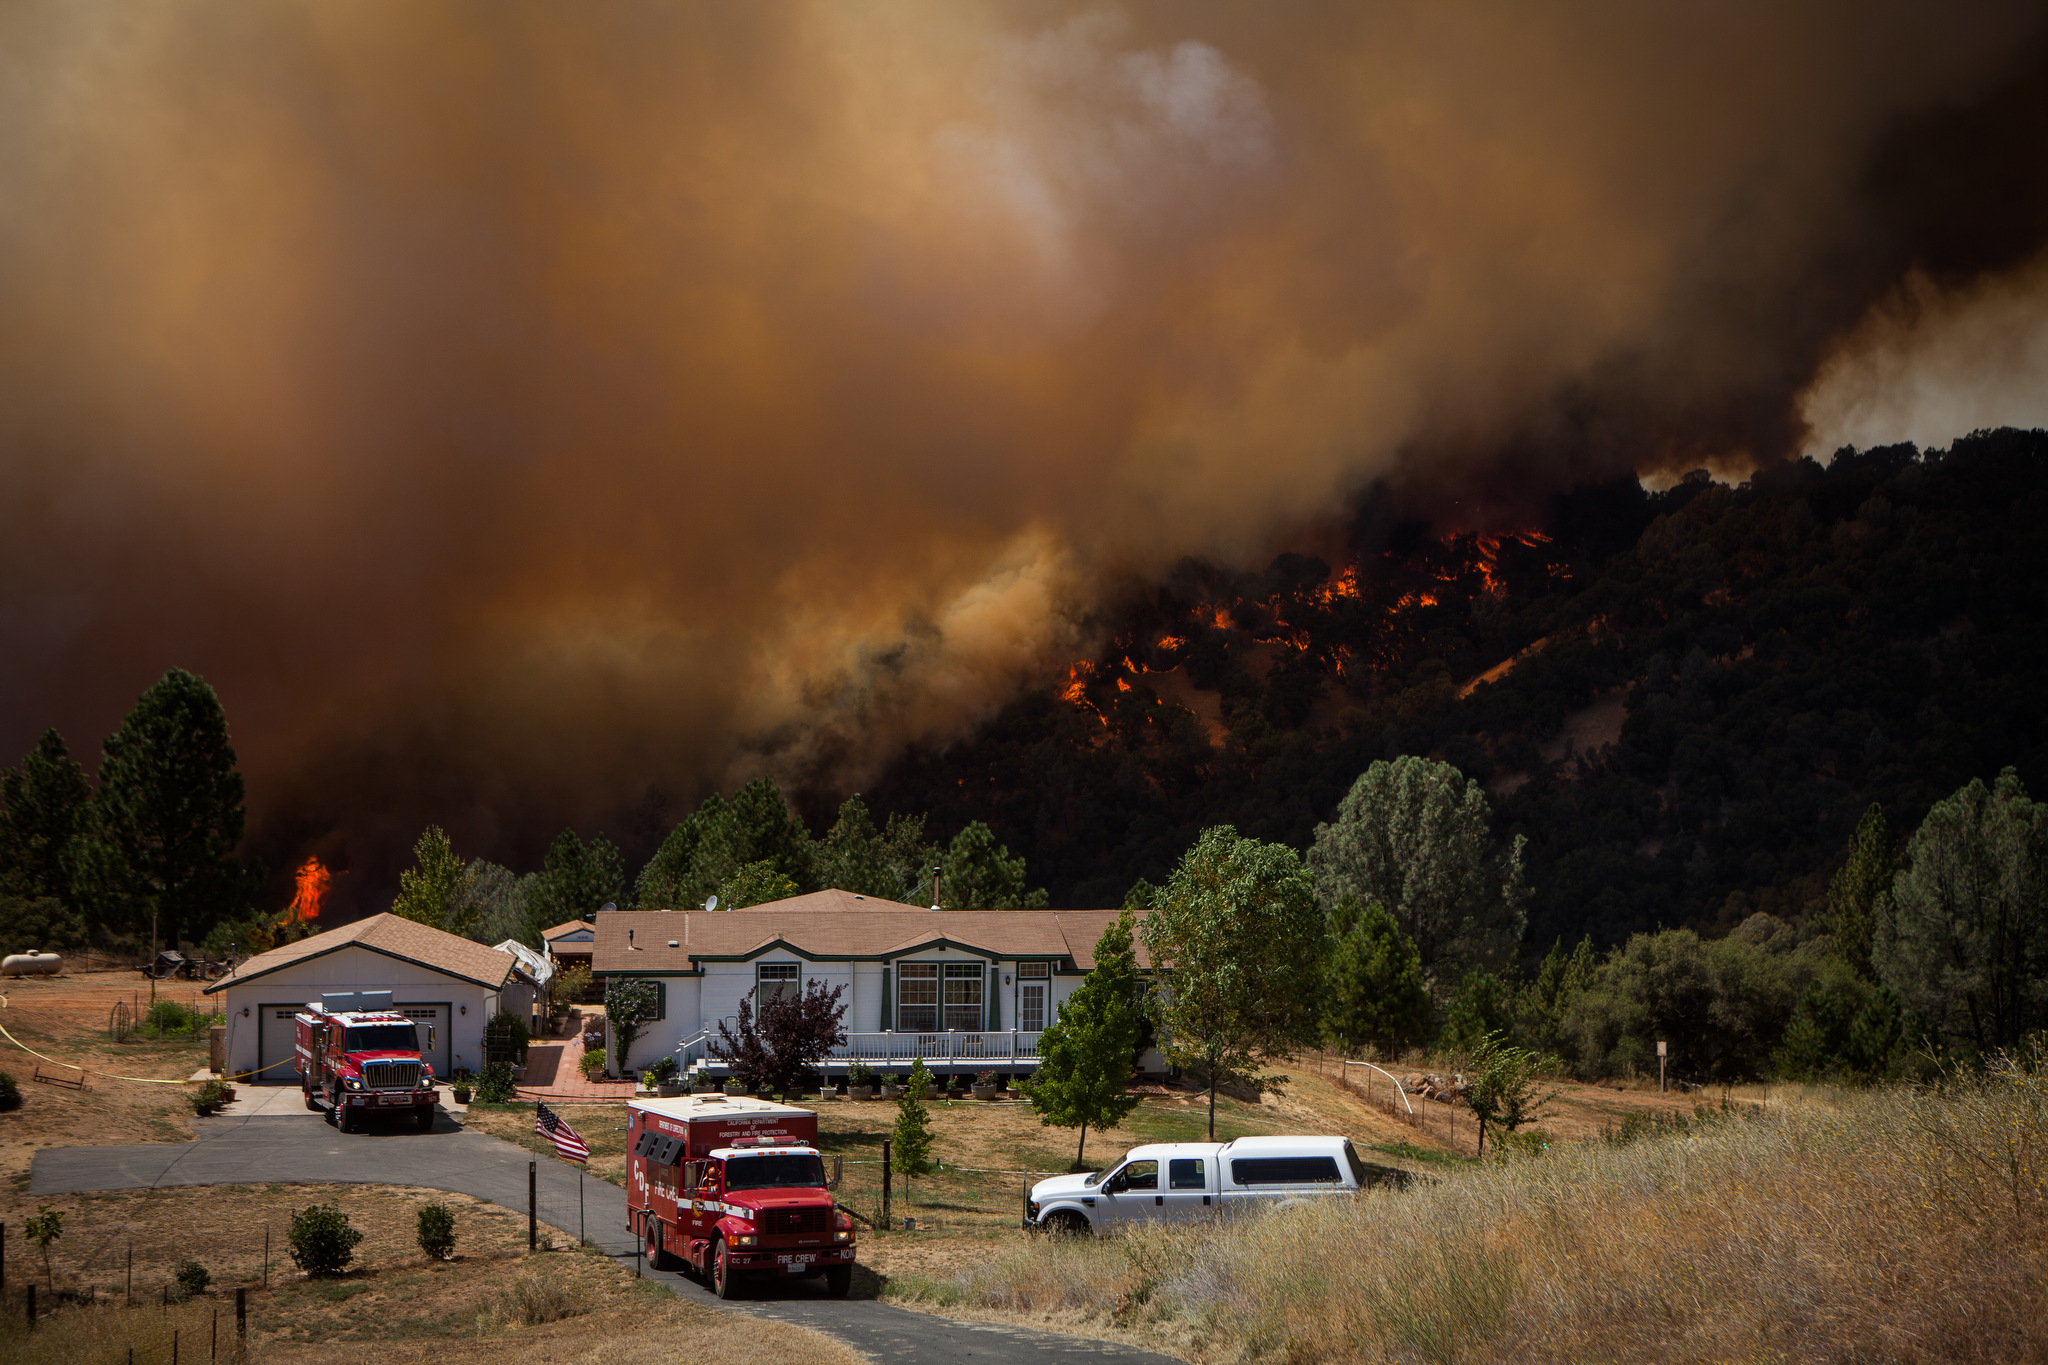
976 1048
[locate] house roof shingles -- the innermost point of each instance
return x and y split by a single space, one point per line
822 931
394 937
564 930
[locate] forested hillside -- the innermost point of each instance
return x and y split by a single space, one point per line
1708 687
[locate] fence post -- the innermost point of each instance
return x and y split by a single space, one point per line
885 1182
241 1317
130 1293
31 1305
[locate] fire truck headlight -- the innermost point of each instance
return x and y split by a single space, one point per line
842 1235
745 1239
353 1083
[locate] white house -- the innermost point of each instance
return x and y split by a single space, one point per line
966 990
434 977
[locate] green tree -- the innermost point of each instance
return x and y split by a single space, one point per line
707 848
436 1231
630 1003
854 856
910 1143
577 879
437 890
1543 1005
1846 1029
1417 837
755 884
1965 934
1483 1008
978 873
1857 895
322 1241
1507 1085
1084 1056
43 1228
164 826
505 905
1376 994
1239 943
42 924
42 808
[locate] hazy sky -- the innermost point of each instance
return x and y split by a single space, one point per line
510 406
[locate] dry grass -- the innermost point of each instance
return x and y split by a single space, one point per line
1893 1225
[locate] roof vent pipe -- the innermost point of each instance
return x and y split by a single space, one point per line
935 889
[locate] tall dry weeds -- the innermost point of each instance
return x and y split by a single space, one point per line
1894 1225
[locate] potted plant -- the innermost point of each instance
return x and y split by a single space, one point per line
592 1065
860 1082
987 1085
892 1086
461 1092
734 1086
666 1077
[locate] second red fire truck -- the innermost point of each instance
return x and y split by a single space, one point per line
731 1186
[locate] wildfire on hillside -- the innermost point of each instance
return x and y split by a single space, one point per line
1361 618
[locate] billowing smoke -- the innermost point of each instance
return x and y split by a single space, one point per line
525 412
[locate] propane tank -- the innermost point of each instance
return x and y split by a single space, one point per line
31 964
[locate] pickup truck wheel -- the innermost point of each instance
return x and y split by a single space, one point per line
1067 1223
721 1270
838 1280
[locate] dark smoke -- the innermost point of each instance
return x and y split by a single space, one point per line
528 414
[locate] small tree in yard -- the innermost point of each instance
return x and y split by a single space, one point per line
910 1149
46 1227
1238 939
1084 1057
437 1231
1505 1083
629 1003
771 1048
322 1241
192 1278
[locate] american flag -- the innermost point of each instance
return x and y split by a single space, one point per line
556 1129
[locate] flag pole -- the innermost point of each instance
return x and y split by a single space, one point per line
579 1203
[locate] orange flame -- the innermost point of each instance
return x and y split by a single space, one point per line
312 879
1171 642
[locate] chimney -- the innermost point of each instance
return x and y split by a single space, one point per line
935 889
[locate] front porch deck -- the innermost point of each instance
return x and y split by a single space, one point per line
1005 1052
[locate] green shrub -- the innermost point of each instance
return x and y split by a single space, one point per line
506 1039
165 1018
437 1231
208 1098
322 1242
10 1093
860 1073
192 1279
592 1065
494 1086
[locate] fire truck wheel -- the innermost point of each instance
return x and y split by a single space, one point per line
656 1257
722 1274
838 1280
427 1118
346 1119
312 1103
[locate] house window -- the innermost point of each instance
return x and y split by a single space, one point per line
1027 970
964 981
917 997
773 981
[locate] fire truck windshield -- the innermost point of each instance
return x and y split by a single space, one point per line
383 1038
782 1170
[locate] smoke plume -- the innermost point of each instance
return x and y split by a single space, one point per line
526 413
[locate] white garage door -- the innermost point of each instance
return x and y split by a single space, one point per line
435 1016
276 1046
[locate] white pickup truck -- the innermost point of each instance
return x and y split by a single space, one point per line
1184 1181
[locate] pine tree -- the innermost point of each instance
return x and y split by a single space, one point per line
1085 1056
1377 994
853 855
42 807
163 829
980 874
1861 889
436 890
910 1145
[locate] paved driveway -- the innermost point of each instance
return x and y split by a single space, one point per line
304 1148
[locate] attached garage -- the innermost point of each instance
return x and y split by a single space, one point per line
434 978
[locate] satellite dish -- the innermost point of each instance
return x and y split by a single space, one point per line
711 904
608 905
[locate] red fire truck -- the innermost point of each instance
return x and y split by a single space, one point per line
734 1186
357 1063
